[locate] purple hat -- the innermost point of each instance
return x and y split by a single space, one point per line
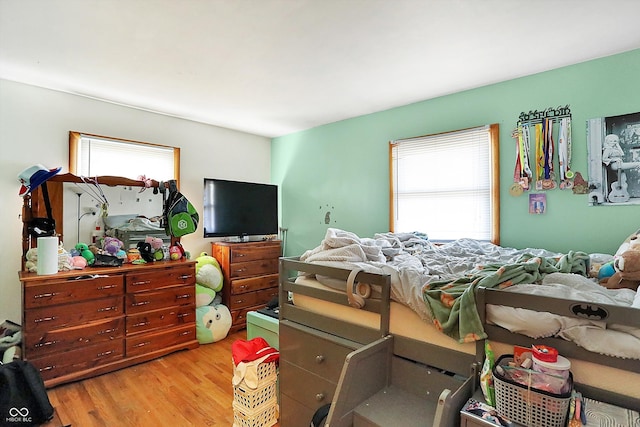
33 176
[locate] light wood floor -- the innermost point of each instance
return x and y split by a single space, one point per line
187 388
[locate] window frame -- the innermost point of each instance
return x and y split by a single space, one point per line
494 171
74 141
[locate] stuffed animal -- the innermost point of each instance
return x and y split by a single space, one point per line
175 253
83 248
627 267
212 323
156 247
208 272
145 251
112 245
204 295
78 262
64 259
32 260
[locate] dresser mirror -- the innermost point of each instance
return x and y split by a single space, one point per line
79 207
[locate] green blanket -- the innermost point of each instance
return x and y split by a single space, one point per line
453 305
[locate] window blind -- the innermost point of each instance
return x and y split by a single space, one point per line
442 184
97 157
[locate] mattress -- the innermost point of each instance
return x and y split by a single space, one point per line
405 322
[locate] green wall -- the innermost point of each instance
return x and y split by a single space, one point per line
342 168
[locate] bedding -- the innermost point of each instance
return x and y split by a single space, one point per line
404 322
438 282
131 228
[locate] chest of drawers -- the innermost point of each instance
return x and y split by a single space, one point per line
78 324
250 273
310 365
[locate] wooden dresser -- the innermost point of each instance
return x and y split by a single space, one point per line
250 276
82 323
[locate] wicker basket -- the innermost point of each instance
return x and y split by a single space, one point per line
528 406
266 372
252 399
264 416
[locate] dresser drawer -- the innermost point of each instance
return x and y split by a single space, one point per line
164 318
310 389
56 365
294 413
313 352
253 268
254 252
46 318
153 300
158 279
146 343
73 337
76 289
241 286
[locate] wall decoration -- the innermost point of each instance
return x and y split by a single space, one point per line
537 203
613 145
536 138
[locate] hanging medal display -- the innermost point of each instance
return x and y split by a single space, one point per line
522 171
537 127
564 154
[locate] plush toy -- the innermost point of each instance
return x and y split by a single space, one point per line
208 272
32 260
212 323
175 253
627 267
112 245
156 247
64 259
83 248
145 251
78 262
204 295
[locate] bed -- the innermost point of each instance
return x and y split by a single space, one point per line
439 309
132 228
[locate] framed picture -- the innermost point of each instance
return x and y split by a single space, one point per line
613 145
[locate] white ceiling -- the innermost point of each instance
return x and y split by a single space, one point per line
272 67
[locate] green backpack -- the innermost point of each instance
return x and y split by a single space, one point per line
180 217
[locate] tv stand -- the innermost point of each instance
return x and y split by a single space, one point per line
250 271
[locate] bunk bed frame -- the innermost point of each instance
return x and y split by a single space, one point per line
384 379
414 381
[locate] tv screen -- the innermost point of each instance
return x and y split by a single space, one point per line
235 208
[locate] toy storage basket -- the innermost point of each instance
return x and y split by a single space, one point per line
529 406
264 417
254 399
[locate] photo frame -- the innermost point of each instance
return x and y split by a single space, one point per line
613 145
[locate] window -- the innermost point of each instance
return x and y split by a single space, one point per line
94 155
447 185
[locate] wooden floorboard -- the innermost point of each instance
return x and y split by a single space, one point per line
187 388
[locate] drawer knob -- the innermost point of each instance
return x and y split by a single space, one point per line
42 344
137 304
102 288
104 353
186 276
113 307
319 358
320 397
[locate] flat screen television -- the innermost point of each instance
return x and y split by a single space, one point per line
239 209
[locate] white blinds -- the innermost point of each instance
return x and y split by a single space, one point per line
442 184
97 157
